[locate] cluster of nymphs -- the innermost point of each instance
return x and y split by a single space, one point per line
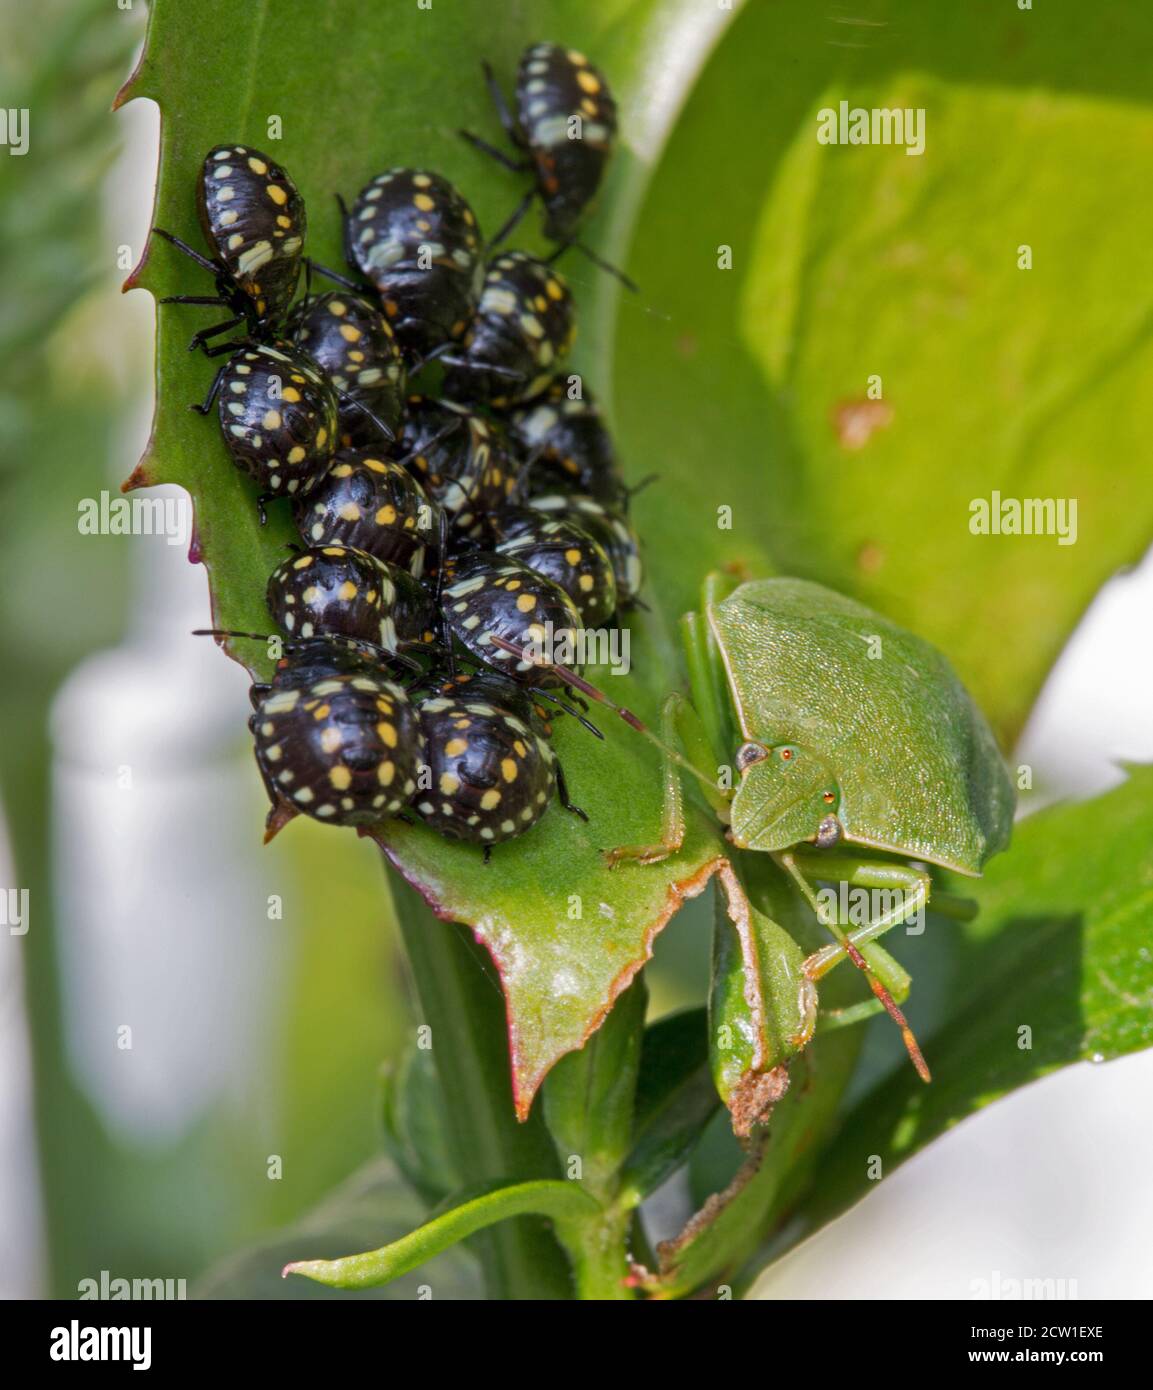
451 542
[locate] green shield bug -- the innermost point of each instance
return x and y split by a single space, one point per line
843 746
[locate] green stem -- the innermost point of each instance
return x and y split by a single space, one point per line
463 1004
598 1246
590 1106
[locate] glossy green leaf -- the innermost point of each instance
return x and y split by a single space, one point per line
1056 968
356 88
850 262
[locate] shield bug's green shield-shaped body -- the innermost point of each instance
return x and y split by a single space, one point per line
869 709
849 751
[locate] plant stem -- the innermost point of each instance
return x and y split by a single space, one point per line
462 1003
590 1103
599 1249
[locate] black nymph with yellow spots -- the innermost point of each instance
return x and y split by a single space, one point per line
416 240
253 220
278 418
523 328
339 591
349 338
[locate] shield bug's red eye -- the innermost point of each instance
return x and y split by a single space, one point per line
750 753
786 754
829 798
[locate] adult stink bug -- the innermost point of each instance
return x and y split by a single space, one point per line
843 746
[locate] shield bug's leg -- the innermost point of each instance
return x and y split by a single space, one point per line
906 895
706 669
673 810
678 718
679 722
842 869
891 973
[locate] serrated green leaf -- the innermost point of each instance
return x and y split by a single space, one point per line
360 86
590 1096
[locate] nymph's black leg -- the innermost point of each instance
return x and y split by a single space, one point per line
562 793
600 263
200 339
192 299
183 246
354 404
516 166
555 699
334 276
213 392
514 221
